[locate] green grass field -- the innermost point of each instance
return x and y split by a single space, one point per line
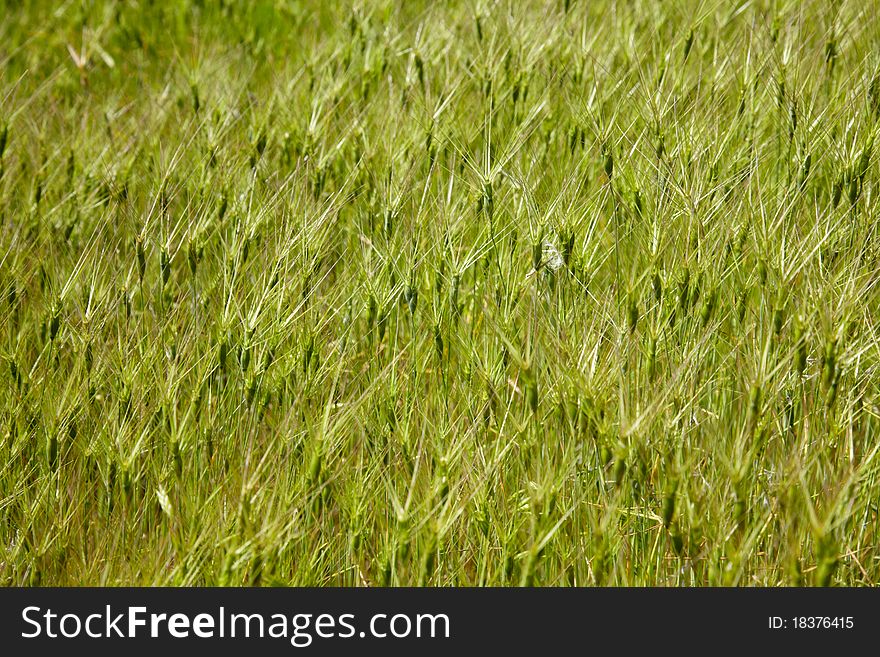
467 293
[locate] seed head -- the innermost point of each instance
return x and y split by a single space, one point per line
755 397
688 42
438 341
637 203
632 314
411 296
164 265
609 163
652 357
837 191
708 306
684 289
657 285
537 255
54 320
800 354
371 311
669 503
829 362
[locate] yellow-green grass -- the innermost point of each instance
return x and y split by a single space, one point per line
471 293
